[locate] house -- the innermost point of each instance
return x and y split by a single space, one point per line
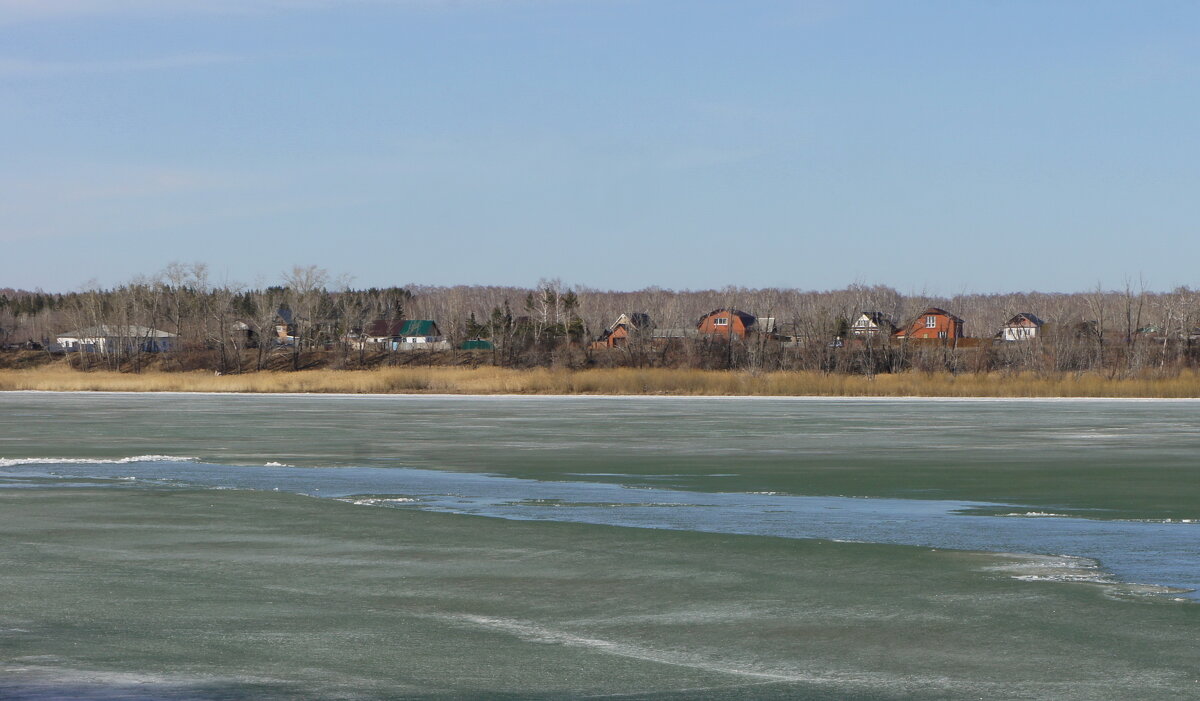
933 323
243 334
872 324
619 332
381 332
108 339
409 334
419 331
285 327
727 322
1022 327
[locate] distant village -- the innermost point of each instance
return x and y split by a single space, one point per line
186 324
407 335
424 335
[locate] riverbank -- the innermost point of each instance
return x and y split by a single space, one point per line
618 381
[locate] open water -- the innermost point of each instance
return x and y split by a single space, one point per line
216 546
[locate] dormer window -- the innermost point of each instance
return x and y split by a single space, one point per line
721 321
931 322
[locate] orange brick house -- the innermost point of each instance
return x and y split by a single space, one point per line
933 323
724 322
617 335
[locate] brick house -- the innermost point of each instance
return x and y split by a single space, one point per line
619 332
726 322
933 323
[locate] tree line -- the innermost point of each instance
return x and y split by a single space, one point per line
231 328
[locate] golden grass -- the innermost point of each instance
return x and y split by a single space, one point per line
621 381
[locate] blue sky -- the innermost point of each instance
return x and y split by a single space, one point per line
941 147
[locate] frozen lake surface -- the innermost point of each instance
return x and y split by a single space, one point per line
169 544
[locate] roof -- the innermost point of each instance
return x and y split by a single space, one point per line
937 310
636 320
914 325
106 331
876 318
1024 319
747 319
477 344
673 333
409 327
419 327
382 327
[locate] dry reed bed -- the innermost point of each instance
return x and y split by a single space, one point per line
623 381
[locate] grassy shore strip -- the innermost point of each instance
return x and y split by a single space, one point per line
624 381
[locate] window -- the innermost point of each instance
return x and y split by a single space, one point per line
931 322
721 321
942 334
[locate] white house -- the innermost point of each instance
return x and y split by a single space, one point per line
1022 327
872 324
105 338
410 334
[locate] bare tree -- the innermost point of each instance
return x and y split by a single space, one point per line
305 288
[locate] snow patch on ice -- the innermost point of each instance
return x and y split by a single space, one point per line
376 501
1036 514
1027 567
13 462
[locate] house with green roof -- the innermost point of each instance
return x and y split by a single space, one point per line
405 334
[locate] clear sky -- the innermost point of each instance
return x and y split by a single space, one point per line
942 147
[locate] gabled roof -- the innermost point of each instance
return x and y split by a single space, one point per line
933 311
878 319
419 327
397 328
673 333
1023 319
637 320
382 327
